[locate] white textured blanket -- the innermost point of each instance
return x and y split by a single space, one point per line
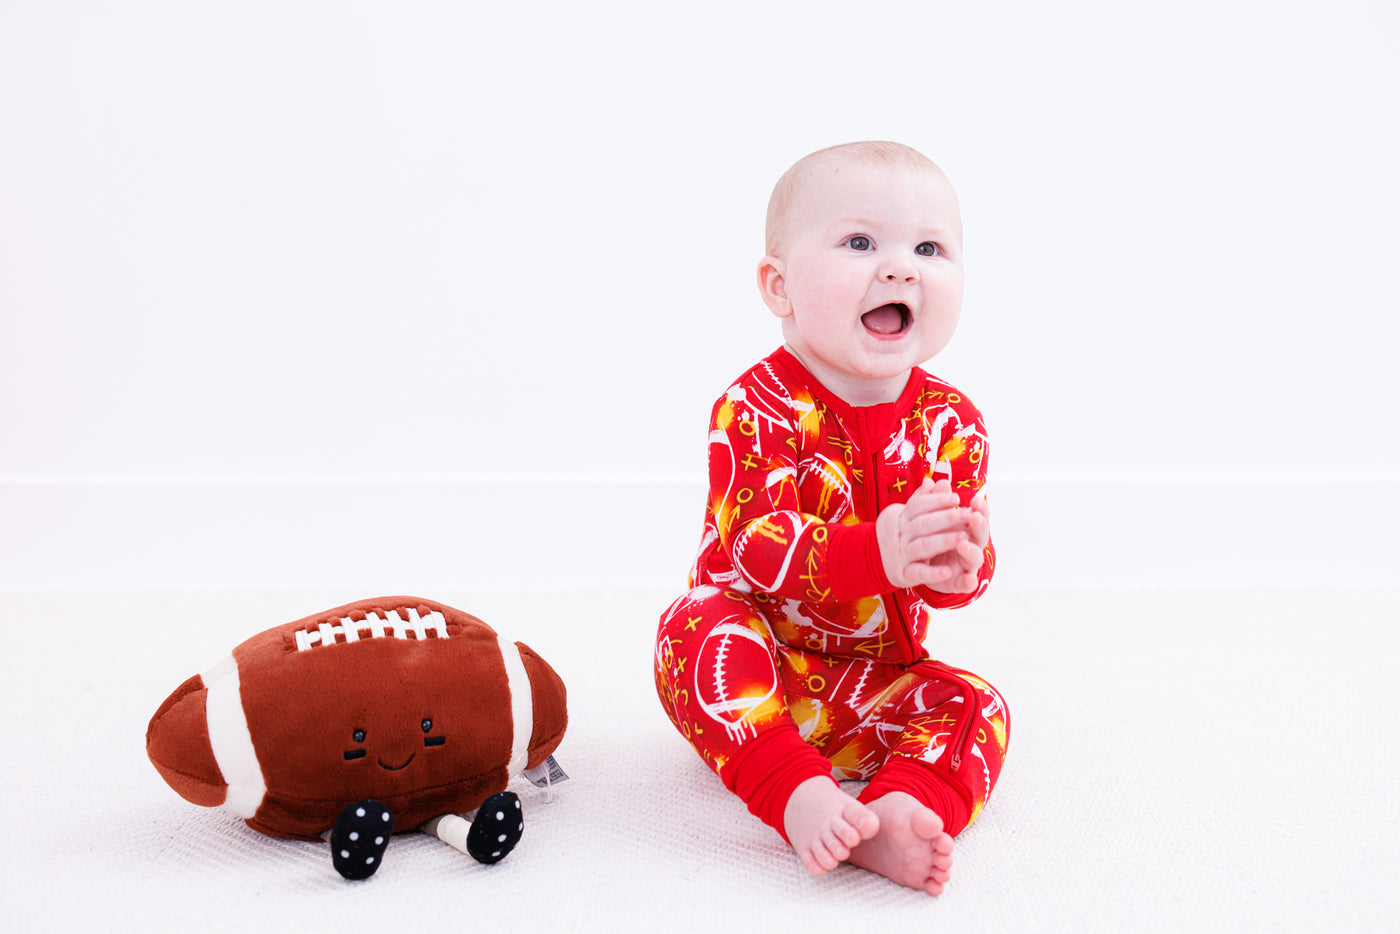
1179 761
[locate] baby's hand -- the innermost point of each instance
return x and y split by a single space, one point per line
965 559
931 541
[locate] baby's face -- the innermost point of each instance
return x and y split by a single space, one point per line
869 277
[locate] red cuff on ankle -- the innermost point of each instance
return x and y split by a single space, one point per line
947 799
767 769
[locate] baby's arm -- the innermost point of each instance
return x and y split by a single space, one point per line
933 542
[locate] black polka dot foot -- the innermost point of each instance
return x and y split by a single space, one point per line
359 838
496 829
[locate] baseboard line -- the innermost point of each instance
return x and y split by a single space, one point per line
415 536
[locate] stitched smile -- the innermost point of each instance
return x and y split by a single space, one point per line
395 768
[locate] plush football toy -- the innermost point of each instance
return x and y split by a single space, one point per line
390 712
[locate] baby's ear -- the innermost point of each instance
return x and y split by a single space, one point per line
773 287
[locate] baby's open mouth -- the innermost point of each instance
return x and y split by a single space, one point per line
887 319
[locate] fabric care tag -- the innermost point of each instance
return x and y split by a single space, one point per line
546 773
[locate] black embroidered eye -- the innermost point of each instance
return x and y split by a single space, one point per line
427 725
359 736
926 249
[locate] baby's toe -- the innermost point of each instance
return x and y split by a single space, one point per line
846 834
928 826
812 863
863 820
836 847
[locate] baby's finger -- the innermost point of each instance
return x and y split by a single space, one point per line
930 488
931 546
957 583
929 484
980 503
970 554
978 527
919 524
930 575
917 517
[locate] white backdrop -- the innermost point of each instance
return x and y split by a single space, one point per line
422 295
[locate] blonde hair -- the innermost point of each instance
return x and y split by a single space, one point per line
881 152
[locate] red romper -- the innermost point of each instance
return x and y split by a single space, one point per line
792 656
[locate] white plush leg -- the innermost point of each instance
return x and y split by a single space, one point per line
450 829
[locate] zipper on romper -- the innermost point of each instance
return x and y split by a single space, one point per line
962 729
899 625
960 736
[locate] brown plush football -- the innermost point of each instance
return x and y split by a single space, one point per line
402 700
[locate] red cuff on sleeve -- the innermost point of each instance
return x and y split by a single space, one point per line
853 562
949 601
943 601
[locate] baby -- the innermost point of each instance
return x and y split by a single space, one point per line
845 506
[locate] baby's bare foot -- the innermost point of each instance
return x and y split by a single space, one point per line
911 847
823 823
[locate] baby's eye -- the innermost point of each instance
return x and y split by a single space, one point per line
858 243
926 249
427 725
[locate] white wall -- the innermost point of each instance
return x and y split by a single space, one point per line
376 293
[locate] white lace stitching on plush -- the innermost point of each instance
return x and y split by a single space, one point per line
391 625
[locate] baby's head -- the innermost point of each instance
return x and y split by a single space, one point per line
864 265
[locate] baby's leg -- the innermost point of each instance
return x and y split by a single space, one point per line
718 681
944 767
